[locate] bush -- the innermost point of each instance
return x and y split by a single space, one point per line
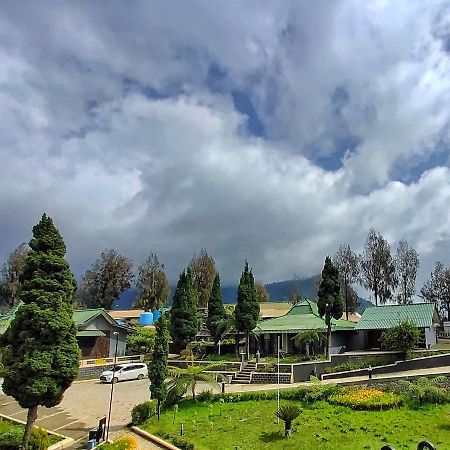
143 411
360 364
366 399
402 338
140 341
423 390
205 396
180 442
39 440
10 436
125 443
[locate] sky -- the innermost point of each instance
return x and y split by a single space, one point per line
269 131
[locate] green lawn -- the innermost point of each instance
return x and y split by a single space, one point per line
252 425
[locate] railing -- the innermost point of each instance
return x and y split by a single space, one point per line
112 360
424 445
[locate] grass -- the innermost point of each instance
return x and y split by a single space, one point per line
252 424
11 435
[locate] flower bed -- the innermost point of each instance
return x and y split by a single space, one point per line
367 399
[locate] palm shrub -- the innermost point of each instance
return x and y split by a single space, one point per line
288 413
307 338
425 390
183 380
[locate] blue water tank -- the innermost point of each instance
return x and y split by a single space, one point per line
146 318
120 321
156 314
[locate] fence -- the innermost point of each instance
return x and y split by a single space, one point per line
109 361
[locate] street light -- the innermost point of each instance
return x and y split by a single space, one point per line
116 334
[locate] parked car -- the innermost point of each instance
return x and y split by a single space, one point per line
122 372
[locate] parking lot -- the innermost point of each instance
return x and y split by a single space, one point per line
84 403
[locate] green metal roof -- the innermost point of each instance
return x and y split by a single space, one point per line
90 333
303 316
81 316
422 315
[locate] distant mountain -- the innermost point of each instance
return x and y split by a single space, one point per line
279 291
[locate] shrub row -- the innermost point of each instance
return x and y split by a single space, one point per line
367 399
360 364
11 437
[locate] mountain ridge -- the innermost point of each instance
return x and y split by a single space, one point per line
279 291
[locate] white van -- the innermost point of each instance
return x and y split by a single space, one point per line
132 371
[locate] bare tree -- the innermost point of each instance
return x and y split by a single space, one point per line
152 284
295 295
437 290
406 264
108 277
11 273
346 262
203 270
377 272
261 293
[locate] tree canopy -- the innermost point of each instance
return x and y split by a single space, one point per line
347 264
437 290
329 299
247 307
261 293
152 284
377 267
203 270
107 278
158 370
10 276
41 355
406 264
216 311
183 314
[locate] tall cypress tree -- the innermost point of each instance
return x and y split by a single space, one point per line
247 308
183 314
157 371
41 356
216 310
329 300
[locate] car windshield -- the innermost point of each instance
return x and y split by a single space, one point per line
116 368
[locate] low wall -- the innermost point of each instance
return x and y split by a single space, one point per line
93 371
426 362
225 366
270 378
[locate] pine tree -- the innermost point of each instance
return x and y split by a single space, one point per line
247 308
329 299
158 371
216 310
41 355
183 314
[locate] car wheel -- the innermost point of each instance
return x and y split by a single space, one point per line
115 380
140 376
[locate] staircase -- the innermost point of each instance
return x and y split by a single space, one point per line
243 377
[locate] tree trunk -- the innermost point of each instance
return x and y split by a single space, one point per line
193 391
236 338
159 409
307 349
327 354
248 345
31 418
287 429
346 299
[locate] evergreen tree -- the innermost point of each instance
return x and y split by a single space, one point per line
183 314
41 355
158 371
216 310
329 300
152 284
247 308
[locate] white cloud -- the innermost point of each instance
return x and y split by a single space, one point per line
118 169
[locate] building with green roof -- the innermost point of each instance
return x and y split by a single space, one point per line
376 320
302 317
95 332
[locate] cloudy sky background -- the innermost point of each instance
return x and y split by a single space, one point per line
272 131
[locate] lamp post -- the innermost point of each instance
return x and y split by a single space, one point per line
278 378
116 334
